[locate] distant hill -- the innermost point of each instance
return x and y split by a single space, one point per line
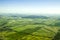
29 16
25 16
35 16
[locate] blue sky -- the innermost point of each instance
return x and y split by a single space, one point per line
30 6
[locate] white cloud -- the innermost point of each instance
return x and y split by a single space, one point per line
31 10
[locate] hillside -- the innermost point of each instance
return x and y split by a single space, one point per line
29 27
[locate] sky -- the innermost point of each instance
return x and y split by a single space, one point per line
30 6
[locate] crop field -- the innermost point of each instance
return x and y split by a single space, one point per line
17 28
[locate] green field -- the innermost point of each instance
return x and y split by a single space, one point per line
17 28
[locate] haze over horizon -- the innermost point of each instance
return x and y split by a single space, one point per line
30 6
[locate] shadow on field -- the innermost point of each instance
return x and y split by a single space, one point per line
57 36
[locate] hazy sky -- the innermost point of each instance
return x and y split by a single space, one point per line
30 6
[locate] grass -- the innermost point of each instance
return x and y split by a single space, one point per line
28 29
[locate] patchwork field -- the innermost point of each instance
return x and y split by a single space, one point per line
12 28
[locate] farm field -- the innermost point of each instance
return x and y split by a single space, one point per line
26 28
